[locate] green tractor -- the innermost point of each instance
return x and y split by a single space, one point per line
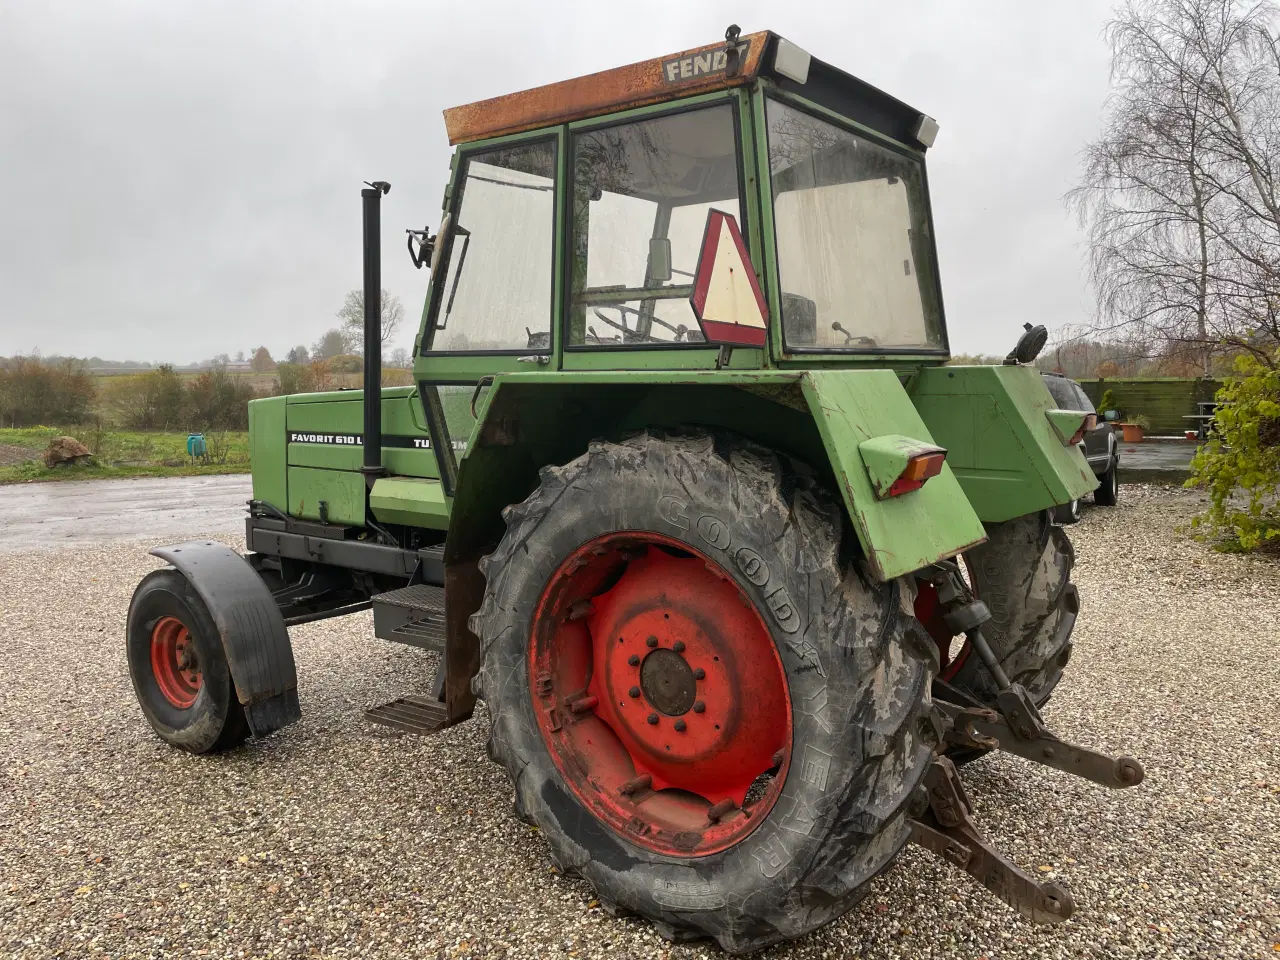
684 491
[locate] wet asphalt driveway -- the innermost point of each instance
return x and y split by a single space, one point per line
35 516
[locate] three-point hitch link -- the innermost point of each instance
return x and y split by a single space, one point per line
1012 724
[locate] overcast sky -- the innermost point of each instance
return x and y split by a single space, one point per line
181 178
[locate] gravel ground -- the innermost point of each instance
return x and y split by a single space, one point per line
341 839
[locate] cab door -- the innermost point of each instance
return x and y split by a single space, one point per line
492 306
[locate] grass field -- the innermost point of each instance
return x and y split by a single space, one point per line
118 453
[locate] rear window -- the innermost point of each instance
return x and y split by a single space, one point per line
1061 392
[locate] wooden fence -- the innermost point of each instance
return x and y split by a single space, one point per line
1163 400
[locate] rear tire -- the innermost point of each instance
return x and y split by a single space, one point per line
190 702
855 666
1023 574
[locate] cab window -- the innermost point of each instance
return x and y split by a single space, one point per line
641 195
496 289
855 251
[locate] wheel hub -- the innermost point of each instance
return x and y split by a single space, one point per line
667 681
175 662
662 698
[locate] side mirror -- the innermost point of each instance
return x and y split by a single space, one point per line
660 258
726 297
441 238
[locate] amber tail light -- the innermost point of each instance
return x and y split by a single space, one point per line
919 469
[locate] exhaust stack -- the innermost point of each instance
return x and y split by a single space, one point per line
372 198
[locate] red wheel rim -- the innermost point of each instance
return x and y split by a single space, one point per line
929 612
660 694
174 663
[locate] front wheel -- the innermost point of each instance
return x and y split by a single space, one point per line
714 714
179 672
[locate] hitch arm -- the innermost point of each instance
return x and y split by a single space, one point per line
946 829
987 730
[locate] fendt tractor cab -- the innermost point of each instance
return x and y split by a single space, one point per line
684 492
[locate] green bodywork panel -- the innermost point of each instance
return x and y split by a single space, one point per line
887 456
412 501
1065 423
819 417
341 492
267 451
296 476
1000 442
902 533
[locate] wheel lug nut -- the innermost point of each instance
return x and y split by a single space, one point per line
653 719
633 660
651 642
699 674
633 692
698 706
678 646
680 726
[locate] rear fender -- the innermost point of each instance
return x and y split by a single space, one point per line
537 419
902 533
253 633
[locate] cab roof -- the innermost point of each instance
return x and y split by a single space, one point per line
716 66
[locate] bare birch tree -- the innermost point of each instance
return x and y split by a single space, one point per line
1179 193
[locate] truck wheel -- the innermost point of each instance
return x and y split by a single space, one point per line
1023 574
711 710
1108 491
179 672
1067 513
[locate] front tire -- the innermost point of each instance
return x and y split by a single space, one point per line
816 655
179 672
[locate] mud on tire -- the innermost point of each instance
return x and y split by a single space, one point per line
1023 574
857 666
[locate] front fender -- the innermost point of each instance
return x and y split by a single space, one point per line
254 637
898 534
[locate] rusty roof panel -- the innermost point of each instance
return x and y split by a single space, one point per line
700 70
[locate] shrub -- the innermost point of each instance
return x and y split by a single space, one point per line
1240 464
1108 401
34 391
218 401
146 401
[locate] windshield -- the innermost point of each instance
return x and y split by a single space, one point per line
855 254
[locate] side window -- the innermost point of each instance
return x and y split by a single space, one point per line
1082 399
496 287
641 194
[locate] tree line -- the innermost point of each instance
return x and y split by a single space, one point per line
60 391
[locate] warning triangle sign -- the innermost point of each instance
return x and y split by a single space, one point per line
726 296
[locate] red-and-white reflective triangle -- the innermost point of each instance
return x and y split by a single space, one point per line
726 296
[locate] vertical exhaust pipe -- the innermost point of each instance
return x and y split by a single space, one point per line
372 198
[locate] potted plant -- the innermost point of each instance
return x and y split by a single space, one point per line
1135 428
1108 405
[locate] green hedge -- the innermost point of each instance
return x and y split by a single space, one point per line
1163 400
